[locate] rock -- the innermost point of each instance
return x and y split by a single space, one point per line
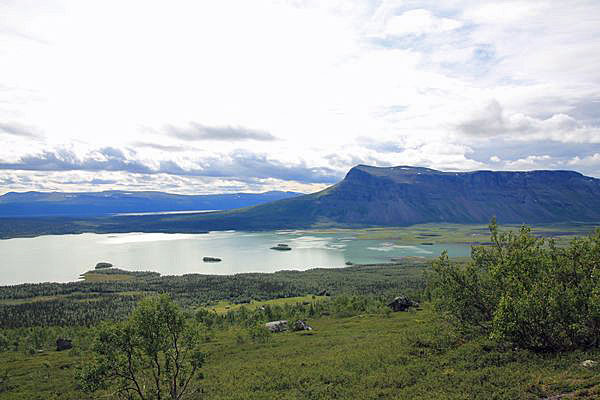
102 265
63 344
589 363
211 259
301 326
402 303
281 247
277 326
349 263
323 292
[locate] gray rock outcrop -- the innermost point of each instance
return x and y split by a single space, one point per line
402 303
63 344
301 326
277 326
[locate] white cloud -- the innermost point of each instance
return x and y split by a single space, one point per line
419 22
435 84
493 120
530 162
589 161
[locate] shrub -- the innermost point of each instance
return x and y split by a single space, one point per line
524 290
154 354
259 334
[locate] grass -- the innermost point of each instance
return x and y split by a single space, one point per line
223 306
35 299
412 355
95 277
406 356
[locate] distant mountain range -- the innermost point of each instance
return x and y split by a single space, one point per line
88 204
373 196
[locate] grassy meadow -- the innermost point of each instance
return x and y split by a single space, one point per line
406 355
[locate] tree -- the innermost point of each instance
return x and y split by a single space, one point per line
155 354
4 343
525 290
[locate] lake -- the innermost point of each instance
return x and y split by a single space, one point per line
62 258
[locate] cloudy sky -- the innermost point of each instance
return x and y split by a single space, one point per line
227 96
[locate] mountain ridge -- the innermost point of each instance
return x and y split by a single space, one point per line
406 195
373 196
109 202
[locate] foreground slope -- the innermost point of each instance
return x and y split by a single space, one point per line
367 356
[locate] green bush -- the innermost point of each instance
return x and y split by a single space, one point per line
259 334
154 354
524 290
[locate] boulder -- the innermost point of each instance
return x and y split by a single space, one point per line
63 344
277 326
589 363
402 303
301 326
211 259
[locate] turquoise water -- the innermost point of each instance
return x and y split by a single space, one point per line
62 258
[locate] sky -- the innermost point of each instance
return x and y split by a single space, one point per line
250 96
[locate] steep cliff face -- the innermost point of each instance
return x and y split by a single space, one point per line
411 195
407 195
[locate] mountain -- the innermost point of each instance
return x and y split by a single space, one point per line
87 204
372 196
407 195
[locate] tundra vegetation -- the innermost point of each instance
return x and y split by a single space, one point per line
516 321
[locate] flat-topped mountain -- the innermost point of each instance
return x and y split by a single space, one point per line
406 195
28 204
373 196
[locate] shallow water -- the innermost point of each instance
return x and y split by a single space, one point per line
62 258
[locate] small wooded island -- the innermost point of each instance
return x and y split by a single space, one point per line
281 247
